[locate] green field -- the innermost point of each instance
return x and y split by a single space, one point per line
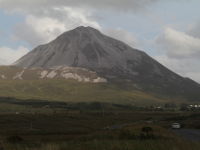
72 91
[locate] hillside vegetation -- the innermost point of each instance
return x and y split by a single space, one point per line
73 91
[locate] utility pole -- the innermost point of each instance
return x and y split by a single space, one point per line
103 111
31 125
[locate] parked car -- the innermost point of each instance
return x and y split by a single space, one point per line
176 126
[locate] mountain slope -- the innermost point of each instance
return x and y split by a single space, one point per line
78 74
72 91
86 47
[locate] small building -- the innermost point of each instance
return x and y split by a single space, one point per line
176 126
17 113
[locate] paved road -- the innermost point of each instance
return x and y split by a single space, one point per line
189 134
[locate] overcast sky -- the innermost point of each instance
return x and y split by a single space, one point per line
168 30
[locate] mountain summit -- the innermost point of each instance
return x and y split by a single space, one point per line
86 47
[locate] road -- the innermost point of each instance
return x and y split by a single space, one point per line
189 134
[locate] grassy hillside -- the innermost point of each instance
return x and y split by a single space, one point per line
72 91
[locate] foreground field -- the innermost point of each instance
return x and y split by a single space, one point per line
96 130
112 145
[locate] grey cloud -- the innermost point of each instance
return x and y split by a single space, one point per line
185 67
55 10
179 44
27 33
123 5
39 29
195 30
8 55
180 52
122 35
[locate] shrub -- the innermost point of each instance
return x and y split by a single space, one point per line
14 139
147 130
147 133
126 134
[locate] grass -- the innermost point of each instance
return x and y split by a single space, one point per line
72 91
85 130
111 140
112 145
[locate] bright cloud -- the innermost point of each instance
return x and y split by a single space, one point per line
179 44
184 67
9 56
180 52
36 31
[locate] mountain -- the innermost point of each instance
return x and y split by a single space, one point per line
86 47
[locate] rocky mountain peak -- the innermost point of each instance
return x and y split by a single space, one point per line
81 47
80 33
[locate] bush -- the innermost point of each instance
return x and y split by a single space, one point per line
14 139
143 136
147 133
147 129
126 134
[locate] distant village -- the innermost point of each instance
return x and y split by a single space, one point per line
181 107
